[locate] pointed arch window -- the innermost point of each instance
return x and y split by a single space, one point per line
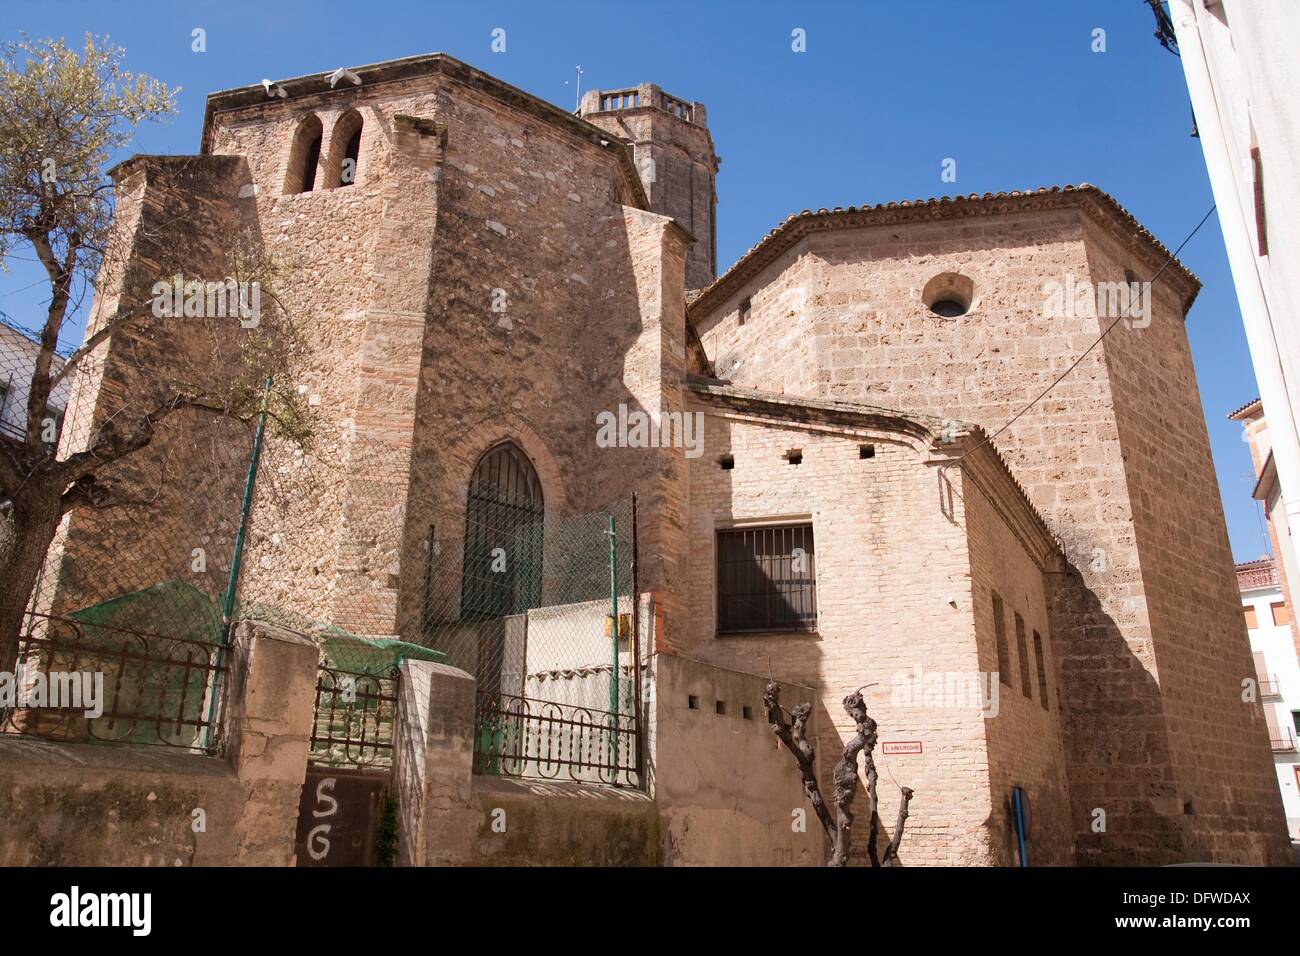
501 572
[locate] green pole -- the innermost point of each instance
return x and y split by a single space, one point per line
237 556
614 618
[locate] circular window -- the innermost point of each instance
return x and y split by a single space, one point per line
949 294
948 308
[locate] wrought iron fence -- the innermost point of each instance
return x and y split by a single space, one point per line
539 608
355 718
523 737
77 681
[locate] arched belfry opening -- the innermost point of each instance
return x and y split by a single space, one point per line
345 150
505 512
304 156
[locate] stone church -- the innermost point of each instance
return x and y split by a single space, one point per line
486 273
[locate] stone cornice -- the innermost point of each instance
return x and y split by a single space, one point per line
1094 202
948 445
392 71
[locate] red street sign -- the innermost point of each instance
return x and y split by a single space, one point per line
901 747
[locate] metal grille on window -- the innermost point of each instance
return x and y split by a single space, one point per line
767 579
502 572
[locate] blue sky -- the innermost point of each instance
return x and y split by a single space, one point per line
886 90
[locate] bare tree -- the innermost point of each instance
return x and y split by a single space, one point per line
66 115
839 830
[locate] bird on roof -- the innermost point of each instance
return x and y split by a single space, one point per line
272 90
343 73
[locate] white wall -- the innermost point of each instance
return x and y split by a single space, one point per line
17 360
1244 81
1275 643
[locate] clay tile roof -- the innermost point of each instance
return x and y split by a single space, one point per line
1256 574
1084 195
1245 410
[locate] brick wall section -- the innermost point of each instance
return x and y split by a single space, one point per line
874 340
1219 744
521 207
1025 740
888 563
102 554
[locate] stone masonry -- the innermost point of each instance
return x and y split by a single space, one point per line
501 270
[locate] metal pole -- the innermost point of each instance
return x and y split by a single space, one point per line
613 612
236 559
638 733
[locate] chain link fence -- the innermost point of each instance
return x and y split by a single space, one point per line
350 543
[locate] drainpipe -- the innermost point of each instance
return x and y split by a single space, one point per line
1018 815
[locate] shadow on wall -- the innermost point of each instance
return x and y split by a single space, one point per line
1124 796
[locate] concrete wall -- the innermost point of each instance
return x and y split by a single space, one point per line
451 817
76 804
726 793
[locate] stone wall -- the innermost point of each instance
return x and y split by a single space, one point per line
1116 458
1024 740
538 299
489 276
675 159
79 804
452 817
1224 800
188 480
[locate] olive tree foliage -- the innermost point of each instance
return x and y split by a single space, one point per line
66 116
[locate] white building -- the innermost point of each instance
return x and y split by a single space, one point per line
18 353
1239 57
1268 619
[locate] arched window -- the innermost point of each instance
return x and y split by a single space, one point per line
345 150
501 572
304 156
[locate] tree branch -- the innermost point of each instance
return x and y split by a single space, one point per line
846 780
114 443
796 742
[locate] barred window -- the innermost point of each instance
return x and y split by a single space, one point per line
767 579
504 521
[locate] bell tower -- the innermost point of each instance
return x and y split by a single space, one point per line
673 152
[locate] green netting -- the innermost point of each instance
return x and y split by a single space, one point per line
372 655
188 612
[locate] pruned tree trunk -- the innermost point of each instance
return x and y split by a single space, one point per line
796 741
846 781
845 776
